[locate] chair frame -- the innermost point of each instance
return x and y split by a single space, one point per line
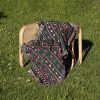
27 33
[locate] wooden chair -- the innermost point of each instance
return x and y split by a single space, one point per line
28 33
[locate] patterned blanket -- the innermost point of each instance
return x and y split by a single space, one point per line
48 50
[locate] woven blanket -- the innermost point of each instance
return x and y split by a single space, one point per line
47 50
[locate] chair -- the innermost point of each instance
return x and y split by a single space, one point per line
28 33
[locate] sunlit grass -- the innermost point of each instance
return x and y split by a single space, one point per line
82 83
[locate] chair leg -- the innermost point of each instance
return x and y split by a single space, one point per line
20 44
73 56
80 45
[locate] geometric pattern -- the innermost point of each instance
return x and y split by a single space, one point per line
47 50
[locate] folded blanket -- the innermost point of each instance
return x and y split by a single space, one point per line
48 50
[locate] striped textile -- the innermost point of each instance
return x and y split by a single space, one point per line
52 44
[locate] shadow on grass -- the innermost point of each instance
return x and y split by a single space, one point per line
1 89
86 47
2 15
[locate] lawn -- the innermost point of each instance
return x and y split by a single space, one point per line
83 82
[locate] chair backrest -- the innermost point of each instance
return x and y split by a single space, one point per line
27 33
30 32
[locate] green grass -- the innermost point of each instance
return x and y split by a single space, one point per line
82 83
